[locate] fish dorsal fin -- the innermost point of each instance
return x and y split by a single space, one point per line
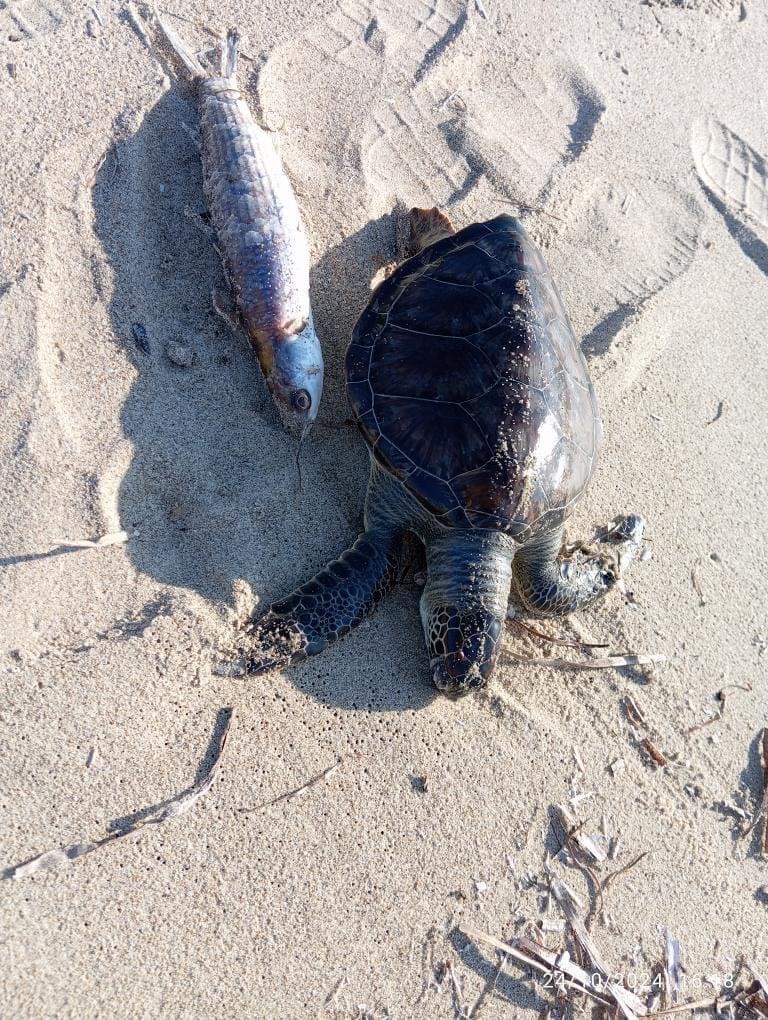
229 51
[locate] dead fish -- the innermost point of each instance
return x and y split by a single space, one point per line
260 235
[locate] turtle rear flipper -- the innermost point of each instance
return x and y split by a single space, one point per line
327 608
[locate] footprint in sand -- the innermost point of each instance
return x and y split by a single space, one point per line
425 122
64 292
27 19
454 140
633 240
418 111
735 180
731 9
406 106
361 54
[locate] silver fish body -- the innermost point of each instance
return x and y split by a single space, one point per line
260 236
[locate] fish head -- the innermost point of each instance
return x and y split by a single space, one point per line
295 377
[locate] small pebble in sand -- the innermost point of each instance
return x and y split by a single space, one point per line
180 354
140 337
419 784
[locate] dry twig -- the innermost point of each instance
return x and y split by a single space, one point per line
581 846
607 662
633 712
606 883
720 696
52 859
513 621
722 407
575 839
114 538
696 579
135 19
673 967
207 30
295 792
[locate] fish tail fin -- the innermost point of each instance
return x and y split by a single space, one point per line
229 52
182 51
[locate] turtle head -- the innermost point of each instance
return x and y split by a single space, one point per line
463 607
463 646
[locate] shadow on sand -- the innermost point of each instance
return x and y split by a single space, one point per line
211 495
211 491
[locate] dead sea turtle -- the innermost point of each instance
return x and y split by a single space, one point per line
469 387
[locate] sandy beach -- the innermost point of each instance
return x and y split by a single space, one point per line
631 138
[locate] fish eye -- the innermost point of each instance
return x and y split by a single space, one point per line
301 400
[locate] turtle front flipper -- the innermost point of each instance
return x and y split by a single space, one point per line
544 583
326 608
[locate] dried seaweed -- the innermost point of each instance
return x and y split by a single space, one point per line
50 860
568 975
762 808
654 753
673 967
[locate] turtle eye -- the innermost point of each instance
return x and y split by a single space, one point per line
301 400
